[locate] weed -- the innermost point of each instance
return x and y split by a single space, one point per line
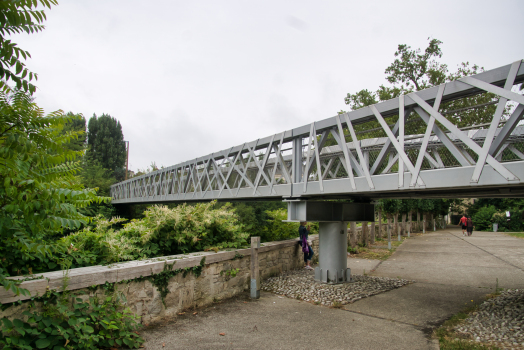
449 340
337 304
229 273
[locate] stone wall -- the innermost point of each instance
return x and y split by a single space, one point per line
145 300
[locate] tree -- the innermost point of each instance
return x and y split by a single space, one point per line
106 145
18 17
414 70
76 123
40 196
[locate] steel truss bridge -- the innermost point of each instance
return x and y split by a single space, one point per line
417 145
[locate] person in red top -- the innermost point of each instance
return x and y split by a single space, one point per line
463 221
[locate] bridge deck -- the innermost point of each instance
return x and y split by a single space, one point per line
415 145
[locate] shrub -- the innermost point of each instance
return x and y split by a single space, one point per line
67 323
162 231
483 219
276 230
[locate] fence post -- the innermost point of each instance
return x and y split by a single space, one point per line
389 231
372 233
353 234
365 237
380 224
410 222
255 273
424 223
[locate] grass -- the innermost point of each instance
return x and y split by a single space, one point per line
449 340
375 253
514 234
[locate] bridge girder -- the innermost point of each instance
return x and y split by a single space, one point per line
402 148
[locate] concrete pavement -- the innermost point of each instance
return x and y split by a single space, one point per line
449 271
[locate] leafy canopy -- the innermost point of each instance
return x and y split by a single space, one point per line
414 70
19 16
39 193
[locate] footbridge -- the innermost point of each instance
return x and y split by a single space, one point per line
460 139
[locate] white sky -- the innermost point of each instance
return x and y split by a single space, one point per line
188 78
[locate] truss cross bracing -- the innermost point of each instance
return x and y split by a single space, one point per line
428 143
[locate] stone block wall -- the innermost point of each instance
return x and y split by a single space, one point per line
144 299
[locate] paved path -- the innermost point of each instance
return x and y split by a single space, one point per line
450 271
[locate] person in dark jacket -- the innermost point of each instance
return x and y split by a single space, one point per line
469 226
303 232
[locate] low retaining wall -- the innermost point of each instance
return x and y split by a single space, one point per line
145 300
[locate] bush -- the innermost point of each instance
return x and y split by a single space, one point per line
72 323
162 231
276 230
483 219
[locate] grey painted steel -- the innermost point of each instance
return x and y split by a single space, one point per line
333 242
299 163
299 211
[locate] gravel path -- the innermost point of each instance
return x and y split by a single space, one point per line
300 284
499 321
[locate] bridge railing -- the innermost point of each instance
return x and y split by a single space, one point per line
464 133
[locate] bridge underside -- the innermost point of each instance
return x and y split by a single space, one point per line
418 145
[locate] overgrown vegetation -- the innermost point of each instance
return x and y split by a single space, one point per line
70 321
487 211
163 231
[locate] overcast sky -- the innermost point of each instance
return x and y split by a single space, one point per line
188 78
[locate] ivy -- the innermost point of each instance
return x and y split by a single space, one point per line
161 280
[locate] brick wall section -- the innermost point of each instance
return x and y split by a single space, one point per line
144 299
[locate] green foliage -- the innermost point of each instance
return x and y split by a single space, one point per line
77 123
163 231
254 215
276 230
19 17
435 206
161 280
487 211
414 70
106 144
72 323
229 273
39 194
483 218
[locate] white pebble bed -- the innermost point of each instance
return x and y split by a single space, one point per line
300 284
498 321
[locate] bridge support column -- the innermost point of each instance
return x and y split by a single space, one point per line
333 242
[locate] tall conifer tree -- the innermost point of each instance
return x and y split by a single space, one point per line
106 145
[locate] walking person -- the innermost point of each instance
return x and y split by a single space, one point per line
463 221
469 225
303 232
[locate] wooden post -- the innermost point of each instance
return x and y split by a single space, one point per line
410 222
380 223
372 233
418 220
365 238
424 223
389 231
397 226
434 219
353 234
404 223
255 272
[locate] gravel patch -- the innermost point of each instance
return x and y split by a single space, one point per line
498 321
300 284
